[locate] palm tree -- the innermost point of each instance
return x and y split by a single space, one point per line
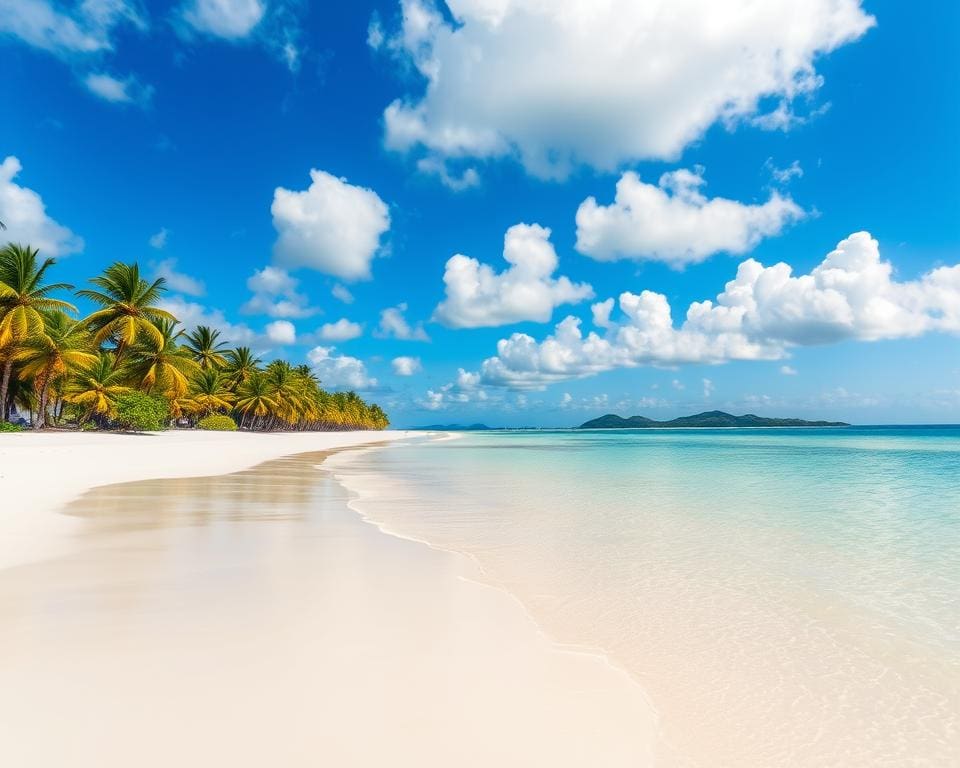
256 398
95 387
211 393
241 364
129 311
205 348
159 364
23 301
47 357
287 391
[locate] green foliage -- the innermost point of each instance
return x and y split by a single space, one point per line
141 412
88 426
131 365
218 422
6 426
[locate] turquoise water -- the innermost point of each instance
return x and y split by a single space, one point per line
784 596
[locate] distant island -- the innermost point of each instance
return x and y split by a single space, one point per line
706 419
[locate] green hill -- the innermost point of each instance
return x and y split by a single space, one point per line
705 419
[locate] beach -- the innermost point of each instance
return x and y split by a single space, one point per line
210 599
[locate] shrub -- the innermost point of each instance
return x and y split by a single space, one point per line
88 426
142 413
6 426
218 422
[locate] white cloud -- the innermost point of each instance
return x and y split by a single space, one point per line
158 240
784 175
332 226
760 315
229 19
393 325
601 313
112 89
708 388
476 296
25 215
281 332
85 28
192 314
178 281
434 166
678 385
635 81
275 294
339 371
465 389
674 222
375 33
406 366
342 330
788 370
341 293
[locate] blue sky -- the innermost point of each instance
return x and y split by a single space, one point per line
184 138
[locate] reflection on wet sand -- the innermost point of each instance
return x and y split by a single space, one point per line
252 619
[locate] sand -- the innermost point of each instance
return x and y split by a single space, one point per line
253 619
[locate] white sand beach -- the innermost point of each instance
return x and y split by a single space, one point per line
252 619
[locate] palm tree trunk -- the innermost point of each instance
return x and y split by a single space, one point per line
4 388
41 421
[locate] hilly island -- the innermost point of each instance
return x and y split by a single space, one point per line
705 419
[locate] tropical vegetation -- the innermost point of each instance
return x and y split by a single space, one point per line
130 363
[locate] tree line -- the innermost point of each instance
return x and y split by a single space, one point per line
131 363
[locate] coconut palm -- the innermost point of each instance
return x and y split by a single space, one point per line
129 307
241 364
206 350
95 387
158 364
211 393
23 301
287 391
256 399
46 358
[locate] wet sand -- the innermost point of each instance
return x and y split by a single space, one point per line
252 619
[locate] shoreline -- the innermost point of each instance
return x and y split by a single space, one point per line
42 472
445 656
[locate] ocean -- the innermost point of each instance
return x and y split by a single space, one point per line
785 597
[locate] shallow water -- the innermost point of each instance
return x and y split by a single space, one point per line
785 597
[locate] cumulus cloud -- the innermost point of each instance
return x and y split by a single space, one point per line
25 215
332 226
339 371
86 27
281 332
341 293
784 175
178 281
674 222
465 388
192 314
342 330
393 325
788 370
476 296
158 240
275 294
406 366
761 314
129 90
635 81
708 387
229 19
